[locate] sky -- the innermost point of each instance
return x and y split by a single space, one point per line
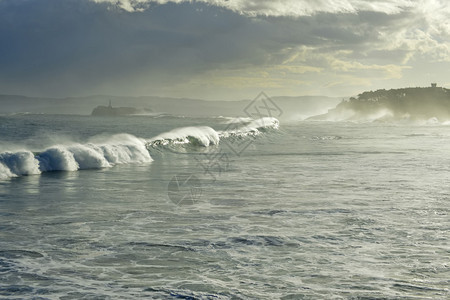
221 49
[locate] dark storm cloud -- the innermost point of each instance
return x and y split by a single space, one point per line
73 47
52 42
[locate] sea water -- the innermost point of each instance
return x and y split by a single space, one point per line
167 207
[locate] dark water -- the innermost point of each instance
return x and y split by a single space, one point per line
309 211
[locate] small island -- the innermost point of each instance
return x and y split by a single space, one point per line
420 103
118 111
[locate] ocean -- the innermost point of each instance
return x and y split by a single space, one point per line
173 207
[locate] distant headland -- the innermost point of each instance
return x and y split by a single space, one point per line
118 111
419 103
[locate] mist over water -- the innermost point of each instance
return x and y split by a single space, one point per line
282 210
294 108
420 105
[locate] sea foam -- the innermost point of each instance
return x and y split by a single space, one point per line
199 135
18 163
206 136
107 152
242 128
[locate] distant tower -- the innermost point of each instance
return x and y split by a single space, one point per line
110 106
433 85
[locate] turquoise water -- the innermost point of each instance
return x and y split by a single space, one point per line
312 210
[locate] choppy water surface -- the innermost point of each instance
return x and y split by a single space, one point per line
309 210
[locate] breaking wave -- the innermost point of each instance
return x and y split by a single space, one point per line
201 135
105 152
250 128
206 136
118 149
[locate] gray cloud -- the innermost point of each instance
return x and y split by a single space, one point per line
80 47
69 43
279 8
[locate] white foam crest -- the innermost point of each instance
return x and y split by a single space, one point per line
432 121
5 172
242 128
201 135
18 163
105 152
264 123
123 149
57 158
88 156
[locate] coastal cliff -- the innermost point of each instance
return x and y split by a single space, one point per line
419 103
